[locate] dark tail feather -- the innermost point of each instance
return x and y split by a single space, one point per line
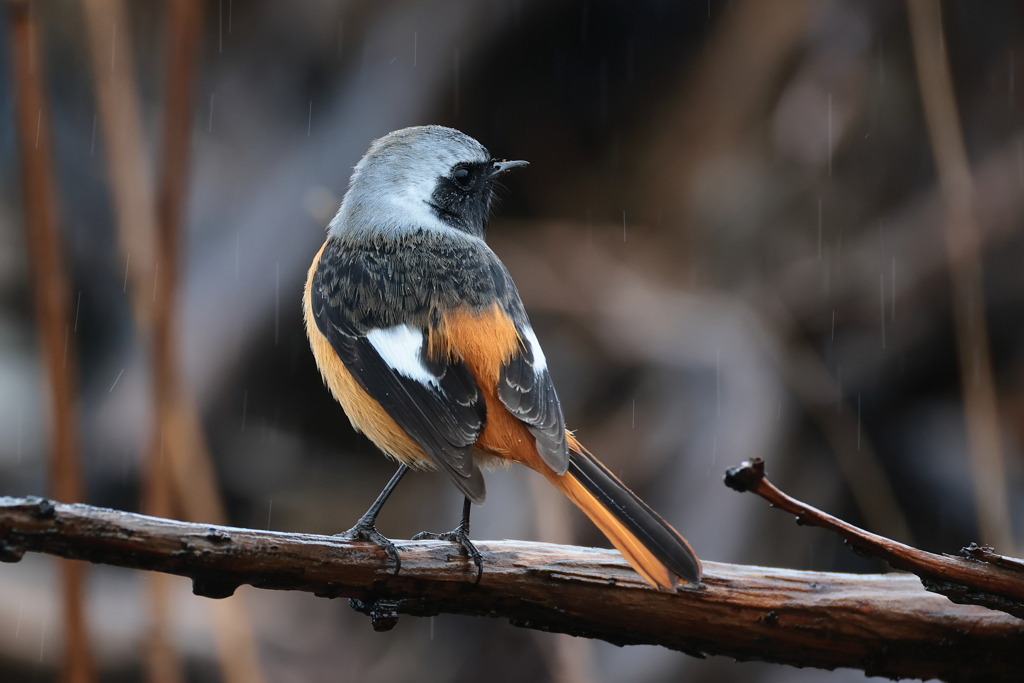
647 541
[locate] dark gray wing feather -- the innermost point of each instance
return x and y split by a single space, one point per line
444 421
531 397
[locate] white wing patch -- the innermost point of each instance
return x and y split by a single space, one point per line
401 348
540 362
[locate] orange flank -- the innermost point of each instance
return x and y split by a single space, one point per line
365 414
485 342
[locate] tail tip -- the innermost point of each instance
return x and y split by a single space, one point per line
672 578
690 577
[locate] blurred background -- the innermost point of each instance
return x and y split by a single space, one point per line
731 242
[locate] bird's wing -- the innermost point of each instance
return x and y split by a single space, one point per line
436 402
526 389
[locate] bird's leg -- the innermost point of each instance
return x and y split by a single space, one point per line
365 529
459 535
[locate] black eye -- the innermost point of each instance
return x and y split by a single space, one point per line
461 177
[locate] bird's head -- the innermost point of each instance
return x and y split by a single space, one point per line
425 177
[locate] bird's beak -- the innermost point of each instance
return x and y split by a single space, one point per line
499 166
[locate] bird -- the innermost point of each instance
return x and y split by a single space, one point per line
420 334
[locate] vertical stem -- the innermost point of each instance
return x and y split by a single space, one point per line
183 47
51 298
120 122
963 250
176 412
120 119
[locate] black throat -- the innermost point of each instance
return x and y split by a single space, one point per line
465 205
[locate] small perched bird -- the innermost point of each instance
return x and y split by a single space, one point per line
419 332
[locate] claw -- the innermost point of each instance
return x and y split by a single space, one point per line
459 535
366 531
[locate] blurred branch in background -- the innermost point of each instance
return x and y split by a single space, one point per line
821 397
887 624
149 231
963 248
707 119
999 208
51 296
134 207
131 176
179 427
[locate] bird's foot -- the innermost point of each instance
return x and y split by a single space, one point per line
364 530
459 536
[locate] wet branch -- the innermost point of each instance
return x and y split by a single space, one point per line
981 578
884 624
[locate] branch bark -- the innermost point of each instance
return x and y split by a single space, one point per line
886 625
983 578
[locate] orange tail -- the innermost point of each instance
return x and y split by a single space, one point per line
648 542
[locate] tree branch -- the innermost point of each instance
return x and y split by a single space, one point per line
985 578
884 624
